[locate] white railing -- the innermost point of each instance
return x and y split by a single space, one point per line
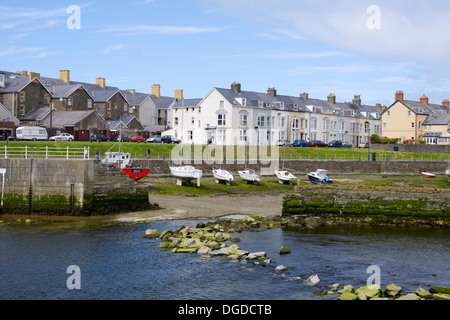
44 152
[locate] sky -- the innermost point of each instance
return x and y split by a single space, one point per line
346 47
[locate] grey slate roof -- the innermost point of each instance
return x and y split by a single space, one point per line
423 108
134 99
36 114
164 102
66 118
437 119
187 103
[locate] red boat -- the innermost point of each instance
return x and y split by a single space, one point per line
429 175
136 173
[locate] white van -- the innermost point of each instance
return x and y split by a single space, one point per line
31 134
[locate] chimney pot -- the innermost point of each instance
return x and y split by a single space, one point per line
446 102
304 95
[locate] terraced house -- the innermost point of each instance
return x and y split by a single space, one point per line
416 121
237 117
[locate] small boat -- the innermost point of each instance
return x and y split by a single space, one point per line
429 175
285 176
320 176
249 175
223 175
119 159
136 173
186 173
447 172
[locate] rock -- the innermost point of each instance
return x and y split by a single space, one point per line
28 221
445 290
312 280
204 250
441 296
151 234
281 268
186 250
256 255
348 296
284 250
335 286
371 291
166 245
361 296
409 296
423 293
200 225
166 234
393 290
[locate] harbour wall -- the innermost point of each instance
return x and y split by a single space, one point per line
336 204
68 187
161 167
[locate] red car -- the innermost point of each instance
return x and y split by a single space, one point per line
317 143
138 138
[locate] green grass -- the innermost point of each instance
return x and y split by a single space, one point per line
159 151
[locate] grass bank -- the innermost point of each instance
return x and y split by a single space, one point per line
160 150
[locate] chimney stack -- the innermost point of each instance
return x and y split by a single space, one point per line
424 99
179 94
133 91
332 98
65 76
101 82
272 92
304 95
24 73
156 91
236 86
357 100
33 75
446 103
399 96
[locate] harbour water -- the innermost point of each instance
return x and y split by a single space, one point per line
117 263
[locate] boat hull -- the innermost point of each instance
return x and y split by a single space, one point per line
186 172
285 176
429 175
249 176
223 175
319 177
136 173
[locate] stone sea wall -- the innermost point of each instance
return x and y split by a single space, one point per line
68 187
371 204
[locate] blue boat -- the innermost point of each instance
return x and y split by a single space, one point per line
319 177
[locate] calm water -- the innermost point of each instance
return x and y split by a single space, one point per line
116 263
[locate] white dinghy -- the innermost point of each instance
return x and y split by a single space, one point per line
223 175
285 176
186 173
249 175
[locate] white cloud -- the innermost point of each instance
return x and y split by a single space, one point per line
410 30
153 29
113 48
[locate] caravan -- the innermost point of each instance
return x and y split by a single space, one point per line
31 134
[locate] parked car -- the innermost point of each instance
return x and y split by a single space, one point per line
138 138
335 144
123 138
154 139
170 139
317 143
99 137
283 143
300 143
63 137
346 145
31 134
363 145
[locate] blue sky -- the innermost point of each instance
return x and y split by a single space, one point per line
320 47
